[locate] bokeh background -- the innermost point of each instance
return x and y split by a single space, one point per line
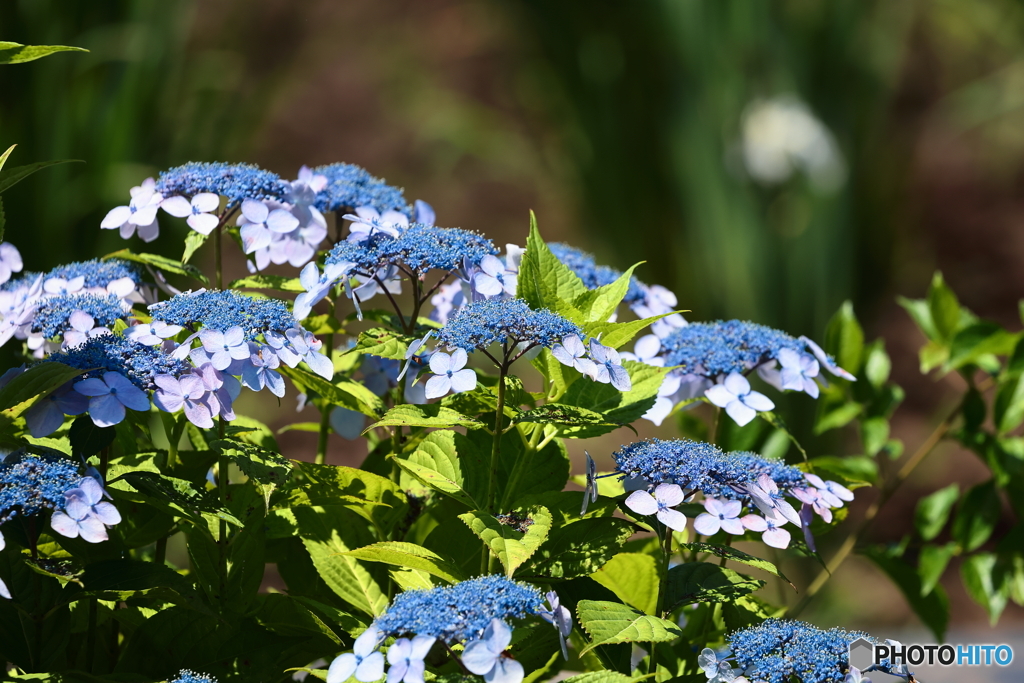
767 160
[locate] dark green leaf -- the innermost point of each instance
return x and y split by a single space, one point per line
430 415
88 439
580 548
933 511
12 176
36 382
343 392
16 53
610 622
983 581
976 340
705 582
730 553
582 419
977 516
161 263
932 563
544 281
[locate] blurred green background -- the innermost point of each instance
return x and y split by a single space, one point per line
768 160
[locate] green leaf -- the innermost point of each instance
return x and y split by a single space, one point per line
932 563
6 155
977 515
88 439
608 623
850 467
580 548
380 341
371 496
167 493
343 392
944 307
877 365
430 415
730 553
617 334
36 382
977 340
410 556
275 282
544 281
3 220
705 582
510 546
329 533
161 263
606 677
1008 407
932 609
844 338
12 176
839 417
874 432
618 407
193 241
921 314
597 305
266 468
634 578
437 465
932 511
980 576
16 53
585 421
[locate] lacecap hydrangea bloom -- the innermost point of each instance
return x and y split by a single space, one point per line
662 474
189 676
348 187
476 613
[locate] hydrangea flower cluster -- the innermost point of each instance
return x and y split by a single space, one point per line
778 649
69 304
663 474
348 187
188 676
715 358
475 612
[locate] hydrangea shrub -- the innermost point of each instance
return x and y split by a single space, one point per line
463 546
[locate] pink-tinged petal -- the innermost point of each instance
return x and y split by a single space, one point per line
254 237
191 386
116 217
776 538
732 526
839 491
203 223
814 480
754 522
179 207
440 363
713 506
642 503
740 413
254 211
107 513
737 384
669 494
463 380
824 513
438 386
320 364
92 530
92 489
758 401
281 221
206 201
673 519
106 411
76 506
731 508
720 396
767 484
94 386
81 321
64 525
706 524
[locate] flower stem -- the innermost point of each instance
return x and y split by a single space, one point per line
499 414
222 489
90 637
663 586
325 408
217 255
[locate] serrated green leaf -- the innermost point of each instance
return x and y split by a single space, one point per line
705 582
597 305
608 623
580 548
380 341
617 407
510 546
161 263
730 553
544 281
430 415
369 495
36 382
275 282
342 392
933 511
605 677
616 334
437 465
10 177
410 556
193 241
567 416
634 578
16 53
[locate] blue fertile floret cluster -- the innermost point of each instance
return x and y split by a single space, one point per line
419 247
52 316
31 483
722 347
234 181
98 273
460 612
350 186
221 310
188 676
701 466
114 353
482 323
777 649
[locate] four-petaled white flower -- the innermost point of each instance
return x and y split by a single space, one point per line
769 500
721 514
85 513
494 278
199 211
257 224
109 396
365 662
571 352
771 526
83 328
665 497
139 214
152 333
406 659
450 373
798 372
367 221
831 493
740 402
10 261
716 670
486 657
224 347
608 367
